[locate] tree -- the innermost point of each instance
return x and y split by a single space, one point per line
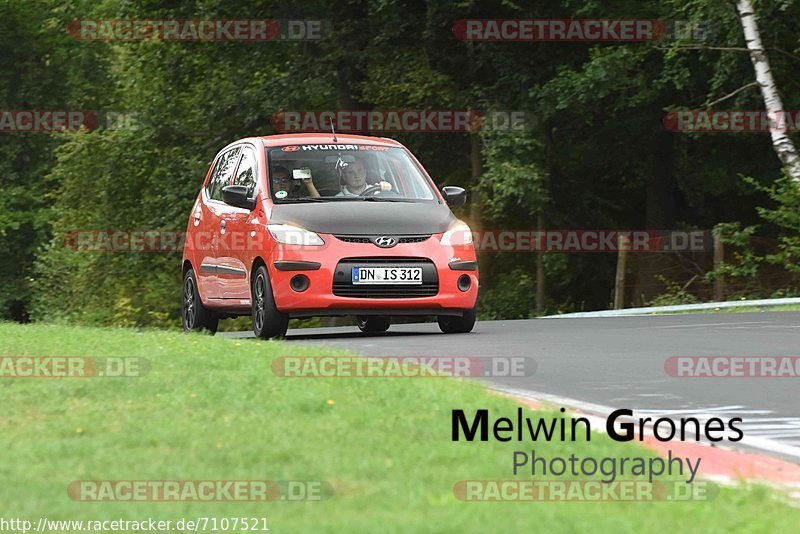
783 146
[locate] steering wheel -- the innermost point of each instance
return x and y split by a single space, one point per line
376 190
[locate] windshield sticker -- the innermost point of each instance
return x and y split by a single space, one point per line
295 148
281 194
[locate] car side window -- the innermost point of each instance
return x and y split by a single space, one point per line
222 173
246 174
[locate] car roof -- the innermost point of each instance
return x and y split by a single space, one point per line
325 139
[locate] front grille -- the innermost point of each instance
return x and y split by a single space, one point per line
353 239
413 239
386 292
343 285
401 240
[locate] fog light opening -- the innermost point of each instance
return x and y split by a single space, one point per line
464 282
299 283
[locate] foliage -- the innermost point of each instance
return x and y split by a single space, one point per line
676 294
773 271
785 216
513 297
594 154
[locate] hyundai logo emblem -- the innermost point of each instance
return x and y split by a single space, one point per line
385 241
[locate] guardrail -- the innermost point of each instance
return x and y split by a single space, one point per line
762 303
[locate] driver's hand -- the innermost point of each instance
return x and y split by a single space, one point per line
312 190
385 186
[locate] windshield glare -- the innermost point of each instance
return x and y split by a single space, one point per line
345 172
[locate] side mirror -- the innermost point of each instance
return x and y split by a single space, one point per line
236 195
454 196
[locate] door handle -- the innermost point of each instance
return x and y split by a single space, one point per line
223 224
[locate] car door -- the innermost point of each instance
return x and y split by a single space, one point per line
238 229
208 219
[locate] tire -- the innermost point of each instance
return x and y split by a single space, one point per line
458 325
371 325
268 322
194 316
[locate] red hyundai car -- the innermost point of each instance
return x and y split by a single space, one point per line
326 225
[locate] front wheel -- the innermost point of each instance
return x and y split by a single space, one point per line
268 321
458 325
370 325
195 316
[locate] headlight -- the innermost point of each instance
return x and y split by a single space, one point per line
458 234
294 235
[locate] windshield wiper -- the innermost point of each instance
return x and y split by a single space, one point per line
304 199
369 199
345 199
388 199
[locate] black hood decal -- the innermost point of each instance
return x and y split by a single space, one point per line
365 217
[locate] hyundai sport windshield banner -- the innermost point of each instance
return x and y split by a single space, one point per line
295 148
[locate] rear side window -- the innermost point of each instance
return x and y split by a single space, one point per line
246 174
223 172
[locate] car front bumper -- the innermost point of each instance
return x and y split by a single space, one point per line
324 264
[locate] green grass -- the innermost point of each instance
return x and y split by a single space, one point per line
211 409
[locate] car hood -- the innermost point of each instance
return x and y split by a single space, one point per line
365 217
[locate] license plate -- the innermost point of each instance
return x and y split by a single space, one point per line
387 275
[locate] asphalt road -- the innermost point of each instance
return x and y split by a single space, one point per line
608 363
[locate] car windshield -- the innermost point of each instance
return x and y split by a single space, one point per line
346 172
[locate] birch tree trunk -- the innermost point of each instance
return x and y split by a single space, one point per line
783 146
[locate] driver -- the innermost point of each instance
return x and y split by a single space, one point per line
354 176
